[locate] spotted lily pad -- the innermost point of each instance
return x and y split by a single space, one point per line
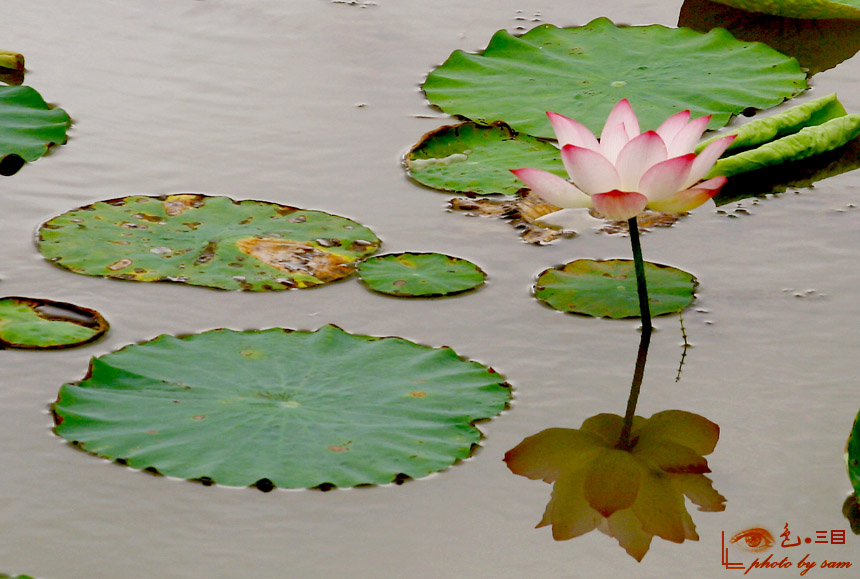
28 126
608 288
583 72
206 241
45 324
420 274
477 159
289 408
800 8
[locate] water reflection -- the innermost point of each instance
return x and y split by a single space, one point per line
816 44
626 477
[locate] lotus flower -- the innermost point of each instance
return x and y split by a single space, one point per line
632 494
626 171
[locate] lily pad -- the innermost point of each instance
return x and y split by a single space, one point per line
583 72
206 241
28 126
33 323
420 274
800 8
279 407
852 454
608 288
477 159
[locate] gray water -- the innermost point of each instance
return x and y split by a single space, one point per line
312 103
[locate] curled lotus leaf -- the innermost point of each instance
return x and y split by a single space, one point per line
800 8
608 288
276 407
583 72
33 323
420 274
206 241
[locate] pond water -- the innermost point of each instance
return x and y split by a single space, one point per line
312 103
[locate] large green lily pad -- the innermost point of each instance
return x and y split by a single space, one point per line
289 408
800 8
206 241
33 323
582 72
420 274
28 126
477 159
608 288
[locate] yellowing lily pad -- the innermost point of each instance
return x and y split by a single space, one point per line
608 288
583 72
281 408
32 323
206 241
477 159
420 274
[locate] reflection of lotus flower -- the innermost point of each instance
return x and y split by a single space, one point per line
632 494
626 171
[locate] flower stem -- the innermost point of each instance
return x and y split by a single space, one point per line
624 442
639 266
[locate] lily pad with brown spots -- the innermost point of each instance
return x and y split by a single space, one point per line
206 241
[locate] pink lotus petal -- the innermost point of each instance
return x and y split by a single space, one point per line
570 132
684 201
706 159
622 114
666 178
619 205
673 125
613 140
589 170
553 189
688 137
637 156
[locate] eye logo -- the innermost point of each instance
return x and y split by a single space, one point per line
754 540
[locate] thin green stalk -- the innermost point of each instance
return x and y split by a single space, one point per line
639 266
624 442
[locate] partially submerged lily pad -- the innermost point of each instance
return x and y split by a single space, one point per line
852 455
420 274
800 8
582 72
206 241
477 159
33 323
608 288
278 407
28 126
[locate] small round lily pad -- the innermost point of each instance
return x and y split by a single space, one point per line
420 274
33 323
206 241
608 288
477 159
285 408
